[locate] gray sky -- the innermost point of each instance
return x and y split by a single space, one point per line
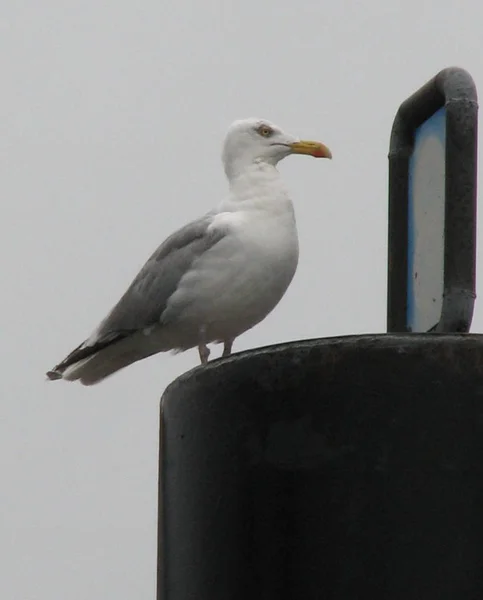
112 118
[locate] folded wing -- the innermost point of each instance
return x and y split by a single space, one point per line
141 306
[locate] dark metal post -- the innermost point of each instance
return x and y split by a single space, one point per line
340 469
454 89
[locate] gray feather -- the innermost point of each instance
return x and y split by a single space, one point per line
145 300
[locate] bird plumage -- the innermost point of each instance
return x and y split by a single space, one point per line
214 278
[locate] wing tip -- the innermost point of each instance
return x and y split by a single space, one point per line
53 375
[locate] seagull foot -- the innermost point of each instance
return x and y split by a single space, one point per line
227 348
204 352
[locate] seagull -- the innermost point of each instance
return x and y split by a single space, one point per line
214 278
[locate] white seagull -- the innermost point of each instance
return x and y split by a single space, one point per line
216 277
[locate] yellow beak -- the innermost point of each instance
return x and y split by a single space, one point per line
311 148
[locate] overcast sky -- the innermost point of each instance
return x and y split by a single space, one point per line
112 118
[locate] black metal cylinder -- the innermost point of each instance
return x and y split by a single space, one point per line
332 469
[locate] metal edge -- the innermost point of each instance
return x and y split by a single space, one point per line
161 591
460 200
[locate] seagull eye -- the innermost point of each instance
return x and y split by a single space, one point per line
265 131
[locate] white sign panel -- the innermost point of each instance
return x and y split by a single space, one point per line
426 220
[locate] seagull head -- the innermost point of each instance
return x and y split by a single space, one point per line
251 141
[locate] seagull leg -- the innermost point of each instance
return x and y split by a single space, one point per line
227 348
203 349
204 352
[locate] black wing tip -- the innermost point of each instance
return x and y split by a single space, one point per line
84 352
54 375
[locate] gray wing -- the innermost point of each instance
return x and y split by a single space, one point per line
146 298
